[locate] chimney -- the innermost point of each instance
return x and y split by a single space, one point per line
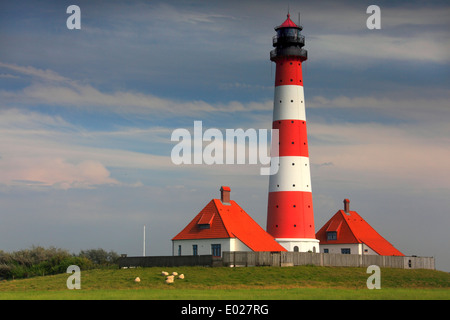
225 194
347 206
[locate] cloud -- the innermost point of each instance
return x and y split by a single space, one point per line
63 92
338 34
369 49
188 16
8 76
380 156
429 108
122 102
53 172
40 150
32 154
48 75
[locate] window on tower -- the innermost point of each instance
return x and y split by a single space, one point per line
288 32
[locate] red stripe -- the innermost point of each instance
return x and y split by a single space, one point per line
290 215
293 139
289 72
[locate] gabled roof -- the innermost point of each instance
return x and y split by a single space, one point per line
352 228
218 220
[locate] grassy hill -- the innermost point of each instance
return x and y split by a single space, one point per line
253 283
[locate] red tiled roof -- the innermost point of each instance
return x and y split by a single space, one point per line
352 228
217 228
229 221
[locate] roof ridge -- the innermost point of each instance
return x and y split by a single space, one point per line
216 201
344 214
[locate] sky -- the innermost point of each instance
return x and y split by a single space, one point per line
86 117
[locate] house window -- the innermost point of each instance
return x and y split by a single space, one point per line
194 250
331 235
345 250
295 249
325 250
216 250
179 250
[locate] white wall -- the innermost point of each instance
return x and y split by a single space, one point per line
355 248
303 245
204 246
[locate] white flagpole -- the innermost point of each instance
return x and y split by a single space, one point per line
143 253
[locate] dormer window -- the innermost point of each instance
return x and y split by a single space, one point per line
205 220
331 235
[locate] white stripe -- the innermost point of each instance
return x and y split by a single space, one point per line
293 175
289 103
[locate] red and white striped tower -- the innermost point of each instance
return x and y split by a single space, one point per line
290 218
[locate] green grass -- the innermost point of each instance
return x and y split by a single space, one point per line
255 283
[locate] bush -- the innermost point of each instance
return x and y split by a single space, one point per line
36 255
39 261
81 262
18 271
100 256
5 271
5 257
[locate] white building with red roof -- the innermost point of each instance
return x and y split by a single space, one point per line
222 225
348 233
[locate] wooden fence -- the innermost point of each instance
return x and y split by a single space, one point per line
280 259
167 261
283 259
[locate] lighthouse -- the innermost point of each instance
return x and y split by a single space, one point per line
290 216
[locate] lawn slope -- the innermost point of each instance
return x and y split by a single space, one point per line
253 283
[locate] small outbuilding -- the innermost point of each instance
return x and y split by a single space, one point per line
348 233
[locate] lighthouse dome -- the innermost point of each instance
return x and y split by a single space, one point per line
288 23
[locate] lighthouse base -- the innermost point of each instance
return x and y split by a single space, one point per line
299 244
